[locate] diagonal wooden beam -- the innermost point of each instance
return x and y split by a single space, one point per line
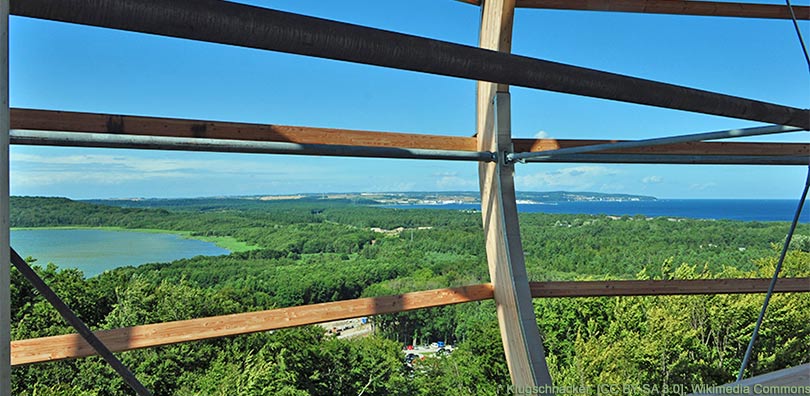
525 355
254 27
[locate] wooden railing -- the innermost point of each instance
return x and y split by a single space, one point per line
45 349
66 121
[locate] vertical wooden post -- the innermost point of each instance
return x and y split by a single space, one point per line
521 338
5 297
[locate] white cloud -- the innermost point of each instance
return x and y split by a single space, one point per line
390 186
702 186
455 183
652 179
44 178
578 177
135 164
452 180
42 170
541 135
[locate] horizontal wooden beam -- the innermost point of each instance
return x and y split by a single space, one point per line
665 287
50 120
670 159
248 26
124 339
45 349
695 148
674 7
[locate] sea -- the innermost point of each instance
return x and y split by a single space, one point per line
94 251
713 209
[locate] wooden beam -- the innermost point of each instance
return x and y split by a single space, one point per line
45 349
674 7
520 336
124 339
696 148
673 159
665 287
248 26
49 120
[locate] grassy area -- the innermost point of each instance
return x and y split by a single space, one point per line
225 242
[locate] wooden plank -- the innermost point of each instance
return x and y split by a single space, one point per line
664 287
47 120
248 26
124 339
674 159
694 148
50 120
520 336
69 346
674 7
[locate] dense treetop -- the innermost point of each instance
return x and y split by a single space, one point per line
316 251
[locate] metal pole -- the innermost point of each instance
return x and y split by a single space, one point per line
731 133
672 7
5 274
248 26
799 32
78 139
776 271
677 159
77 324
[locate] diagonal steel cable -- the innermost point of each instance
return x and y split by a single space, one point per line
776 271
78 324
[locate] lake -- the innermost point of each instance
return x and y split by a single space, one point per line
725 209
94 251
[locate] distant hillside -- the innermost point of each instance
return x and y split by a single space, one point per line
566 196
57 211
210 204
384 198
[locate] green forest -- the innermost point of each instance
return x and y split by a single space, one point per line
312 251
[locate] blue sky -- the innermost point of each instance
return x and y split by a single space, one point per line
69 67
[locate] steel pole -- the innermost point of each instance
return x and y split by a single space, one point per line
697 137
5 268
672 7
772 285
79 139
77 324
254 27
